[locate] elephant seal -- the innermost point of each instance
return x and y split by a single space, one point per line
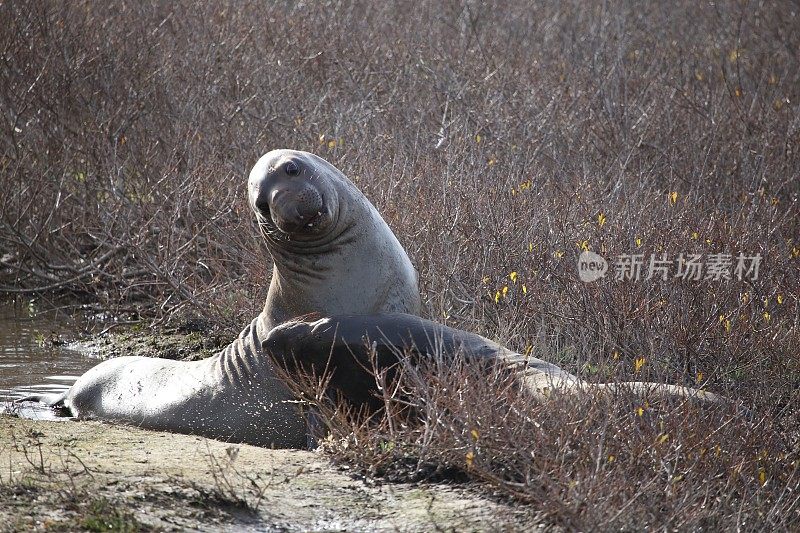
332 254
347 349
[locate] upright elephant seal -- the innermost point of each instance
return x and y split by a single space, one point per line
332 253
347 349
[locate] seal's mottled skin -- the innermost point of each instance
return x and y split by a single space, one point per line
332 253
347 349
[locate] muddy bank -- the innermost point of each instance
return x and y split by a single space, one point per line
68 475
81 475
189 341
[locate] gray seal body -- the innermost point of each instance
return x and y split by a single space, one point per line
232 396
332 254
347 351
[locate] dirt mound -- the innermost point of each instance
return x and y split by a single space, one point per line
93 476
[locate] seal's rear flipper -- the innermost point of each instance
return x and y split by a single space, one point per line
55 400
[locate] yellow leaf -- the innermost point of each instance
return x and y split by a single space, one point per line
558 254
780 299
638 241
762 477
663 438
478 139
638 363
615 355
485 280
331 144
491 161
611 458
513 277
673 197
737 92
474 434
699 377
505 290
734 55
695 235
766 316
528 349
470 457
601 220
640 411
524 289
497 297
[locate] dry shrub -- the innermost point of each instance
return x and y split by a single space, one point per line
583 462
492 136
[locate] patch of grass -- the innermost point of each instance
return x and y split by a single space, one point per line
82 511
102 515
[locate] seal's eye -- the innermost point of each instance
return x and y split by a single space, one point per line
291 168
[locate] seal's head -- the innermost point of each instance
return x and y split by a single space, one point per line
307 340
294 195
306 347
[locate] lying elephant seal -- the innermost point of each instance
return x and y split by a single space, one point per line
332 253
347 349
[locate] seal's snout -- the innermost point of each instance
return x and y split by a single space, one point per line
295 196
276 344
271 345
297 208
310 207
285 342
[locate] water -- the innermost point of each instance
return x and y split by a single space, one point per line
38 356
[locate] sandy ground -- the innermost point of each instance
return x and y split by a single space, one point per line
88 475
